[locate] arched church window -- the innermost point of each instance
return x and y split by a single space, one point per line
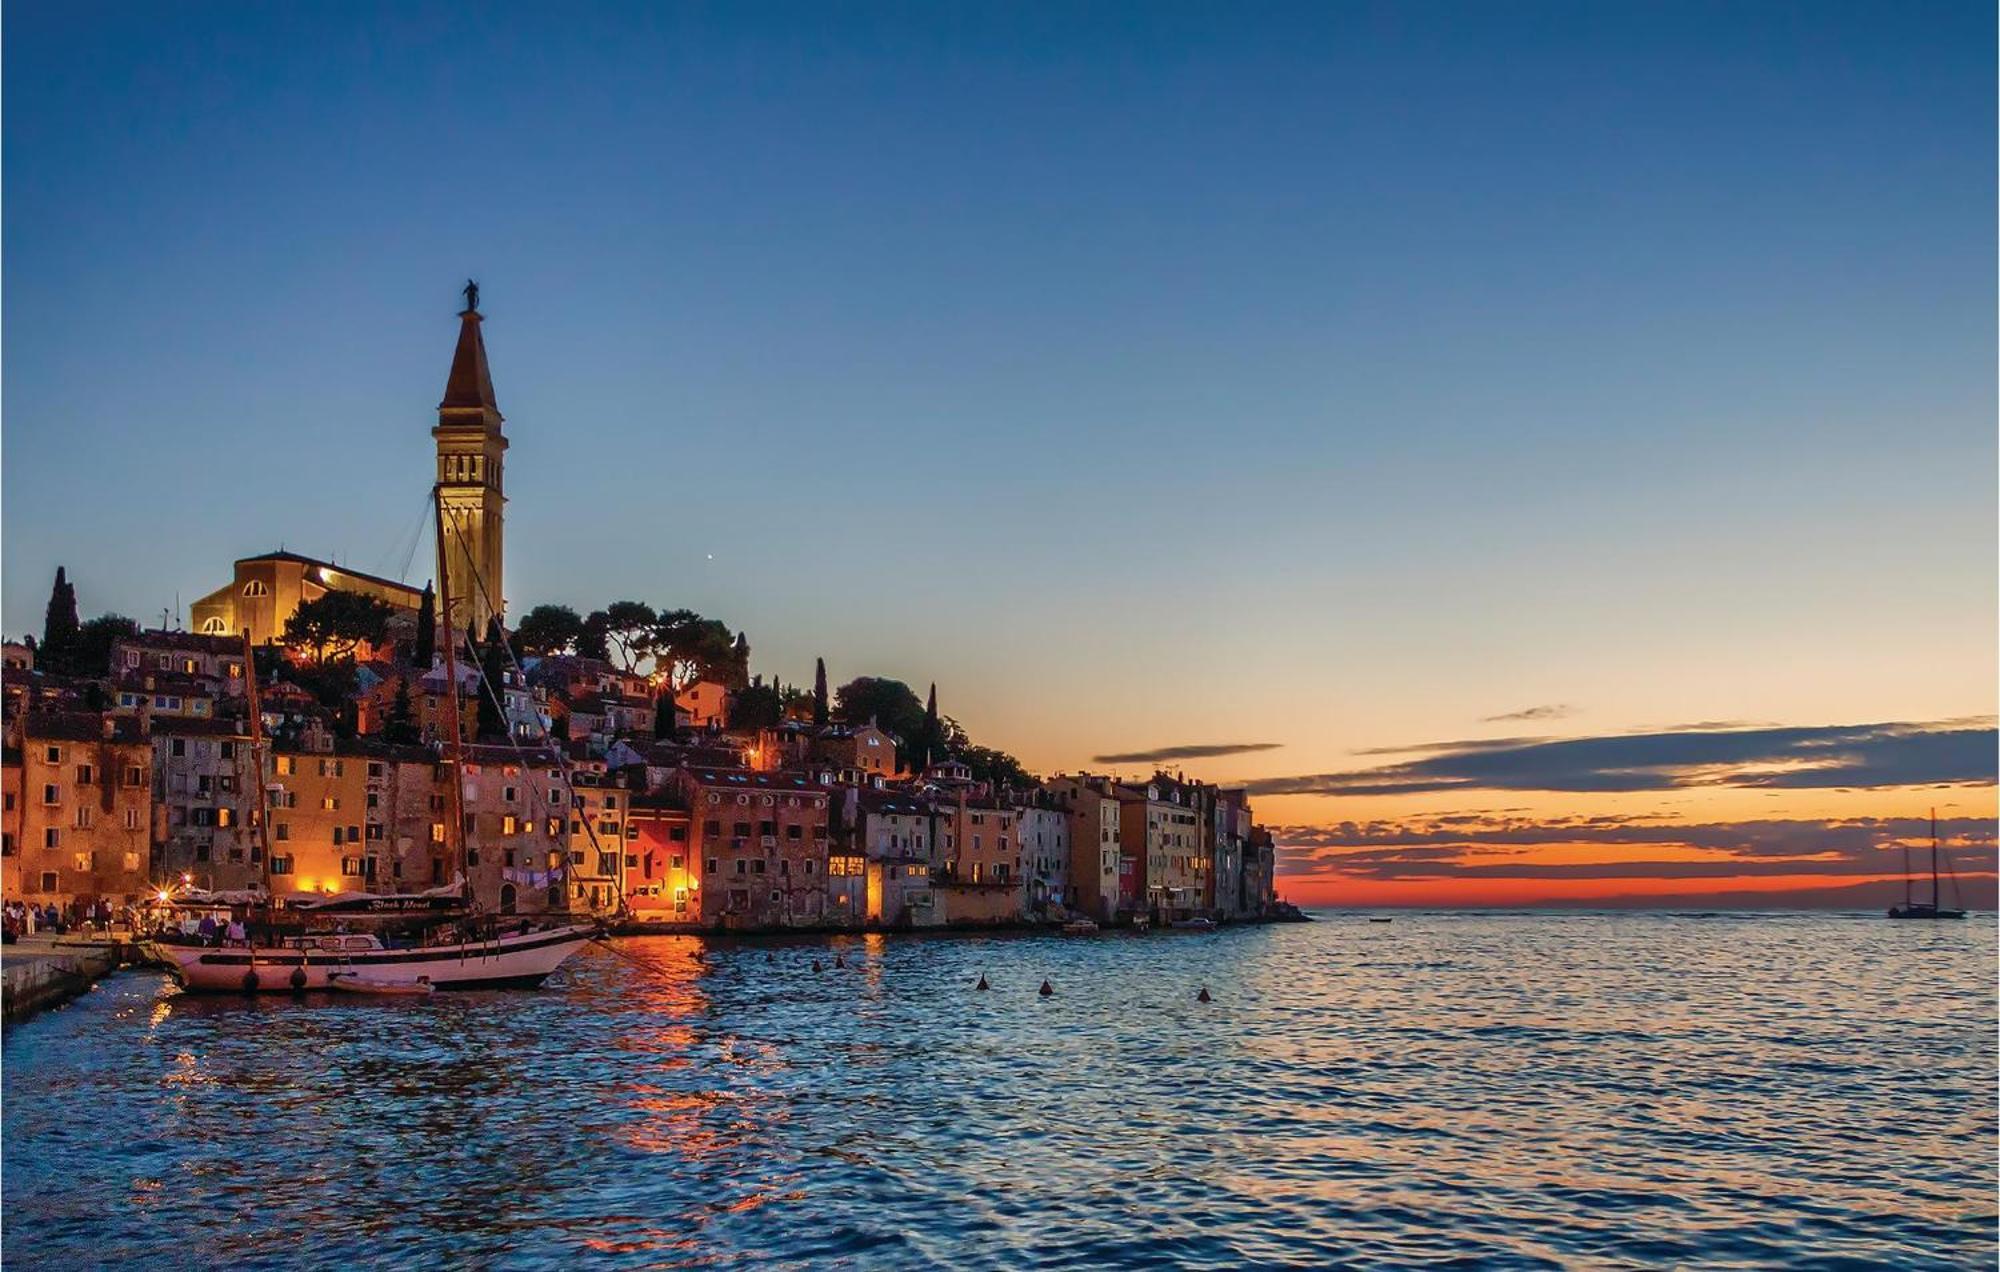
212 626
255 587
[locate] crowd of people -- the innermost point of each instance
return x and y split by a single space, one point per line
18 919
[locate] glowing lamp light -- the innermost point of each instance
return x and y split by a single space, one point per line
163 895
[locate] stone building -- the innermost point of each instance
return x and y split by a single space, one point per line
762 842
1160 825
1092 805
516 829
205 802
893 830
1043 831
316 802
976 862
85 808
264 590
863 749
661 881
215 661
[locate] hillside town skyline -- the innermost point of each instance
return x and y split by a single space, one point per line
323 729
1356 861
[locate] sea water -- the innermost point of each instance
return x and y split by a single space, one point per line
1524 1090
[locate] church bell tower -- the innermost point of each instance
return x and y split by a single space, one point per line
470 448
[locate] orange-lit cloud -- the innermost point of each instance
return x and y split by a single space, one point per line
1509 859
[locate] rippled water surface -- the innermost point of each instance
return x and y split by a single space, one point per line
1527 1090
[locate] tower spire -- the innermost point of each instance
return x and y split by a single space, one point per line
471 450
470 384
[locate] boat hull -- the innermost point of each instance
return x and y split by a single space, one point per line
519 961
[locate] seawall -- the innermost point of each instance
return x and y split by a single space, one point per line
35 979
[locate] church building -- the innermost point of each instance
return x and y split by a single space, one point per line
267 588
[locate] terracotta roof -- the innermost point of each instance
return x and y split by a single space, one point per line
724 778
195 727
659 802
181 641
378 580
501 753
144 680
80 726
873 801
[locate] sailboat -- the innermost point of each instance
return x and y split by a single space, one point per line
437 939
1914 909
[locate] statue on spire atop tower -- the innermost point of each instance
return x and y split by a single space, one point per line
471 295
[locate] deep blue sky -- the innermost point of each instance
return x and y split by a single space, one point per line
1146 374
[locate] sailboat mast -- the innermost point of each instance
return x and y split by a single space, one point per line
1937 898
260 829
1909 883
454 834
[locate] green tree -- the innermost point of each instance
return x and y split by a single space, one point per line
797 703
90 651
331 682
548 629
758 706
665 725
688 647
59 627
591 642
821 706
891 704
335 624
628 627
996 768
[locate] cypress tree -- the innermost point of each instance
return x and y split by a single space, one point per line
401 724
493 671
933 737
59 626
819 693
426 630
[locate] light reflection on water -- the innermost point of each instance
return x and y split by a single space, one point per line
1530 1090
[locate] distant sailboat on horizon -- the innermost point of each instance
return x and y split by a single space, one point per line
1914 909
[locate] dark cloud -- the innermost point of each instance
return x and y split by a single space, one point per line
1207 751
1429 848
1940 753
1552 711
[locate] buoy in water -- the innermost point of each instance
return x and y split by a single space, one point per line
1202 997
816 966
1047 989
982 982
840 960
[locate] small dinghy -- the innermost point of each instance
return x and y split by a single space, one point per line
352 984
1079 927
1381 920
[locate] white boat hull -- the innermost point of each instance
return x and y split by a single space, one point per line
515 961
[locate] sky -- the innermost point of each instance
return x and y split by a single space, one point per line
1546 450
